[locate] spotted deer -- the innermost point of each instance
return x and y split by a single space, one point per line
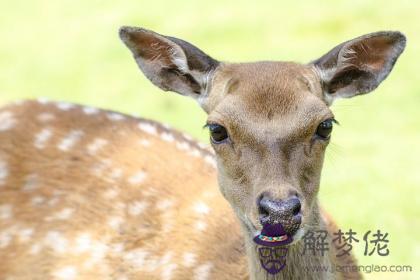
94 194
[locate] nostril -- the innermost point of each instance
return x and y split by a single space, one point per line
296 206
296 211
263 212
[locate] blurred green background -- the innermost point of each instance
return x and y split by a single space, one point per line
69 50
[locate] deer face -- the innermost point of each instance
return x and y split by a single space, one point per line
269 122
266 123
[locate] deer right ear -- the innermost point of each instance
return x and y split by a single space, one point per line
358 66
170 63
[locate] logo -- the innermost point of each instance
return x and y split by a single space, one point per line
272 253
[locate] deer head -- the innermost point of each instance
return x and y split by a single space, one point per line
269 122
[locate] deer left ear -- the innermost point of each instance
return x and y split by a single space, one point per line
358 66
170 63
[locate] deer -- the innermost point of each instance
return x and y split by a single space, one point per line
89 193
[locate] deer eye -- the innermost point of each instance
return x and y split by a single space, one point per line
324 129
218 133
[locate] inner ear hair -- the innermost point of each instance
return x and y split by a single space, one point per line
169 63
358 66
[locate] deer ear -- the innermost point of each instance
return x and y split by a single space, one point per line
358 66
170 63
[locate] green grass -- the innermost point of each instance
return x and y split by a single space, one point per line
69 50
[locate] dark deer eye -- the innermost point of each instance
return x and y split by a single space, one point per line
217 133
324 129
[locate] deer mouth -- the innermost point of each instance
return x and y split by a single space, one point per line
275 241
273 234
257 231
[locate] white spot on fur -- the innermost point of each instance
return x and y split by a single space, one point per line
83 243
168 221
43 100
166 125
31 183
164 204
202 272
168 137
140 259
111 193
164 261
117 248
45 117
149 192
136 258
42 137
210 160
137 207
7 121
37 200
115 116
137 178
5 211
65 273
187 137
203 146
5 239
25 234
90 110
115 222
195 153
70 140
200 226
53 201
56 241
116 173
183 146
189 259
148 128
97 253
97 144
167 273
65 106
201 208
144 142
35 249
64 214
99 168
4 172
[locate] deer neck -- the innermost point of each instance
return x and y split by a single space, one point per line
298 265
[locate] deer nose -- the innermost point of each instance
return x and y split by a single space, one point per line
286 212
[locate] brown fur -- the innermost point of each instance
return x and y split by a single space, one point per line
70 178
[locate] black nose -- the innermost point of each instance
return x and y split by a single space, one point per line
286 212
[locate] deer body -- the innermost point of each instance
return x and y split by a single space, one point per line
92 194
132 199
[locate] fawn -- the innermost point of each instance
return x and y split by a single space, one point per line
94 194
